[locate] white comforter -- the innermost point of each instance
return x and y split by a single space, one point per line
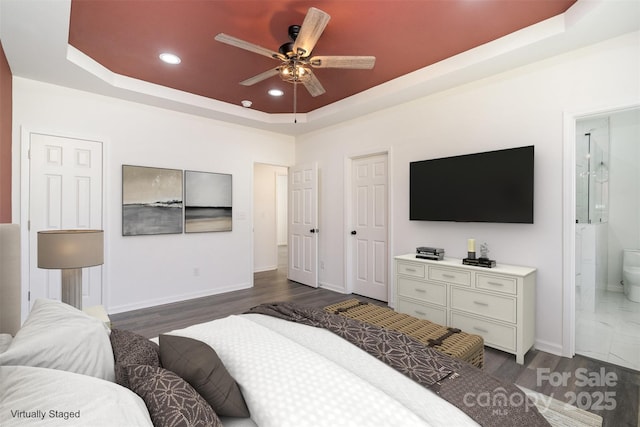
296 375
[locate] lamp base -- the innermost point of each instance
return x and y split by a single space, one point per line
72 287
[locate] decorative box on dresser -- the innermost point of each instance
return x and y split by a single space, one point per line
497 303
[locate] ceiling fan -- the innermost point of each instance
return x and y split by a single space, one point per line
295 61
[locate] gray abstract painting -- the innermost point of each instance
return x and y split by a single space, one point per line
151 200
208 202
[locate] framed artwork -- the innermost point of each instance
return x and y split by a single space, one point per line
151 200
208 202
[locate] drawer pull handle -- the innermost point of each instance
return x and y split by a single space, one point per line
449 276
495 283
420 290
480 329
412 270
420 313
484 304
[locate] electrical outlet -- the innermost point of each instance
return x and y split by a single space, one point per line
196 272
321 265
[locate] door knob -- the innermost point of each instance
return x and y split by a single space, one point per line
354 232
313 230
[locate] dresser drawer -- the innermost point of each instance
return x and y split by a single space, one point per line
435 293
488 305
415 270
494 334
450 276
507 285
431 313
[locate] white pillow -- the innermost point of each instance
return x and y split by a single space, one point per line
5 341
48 397
58 336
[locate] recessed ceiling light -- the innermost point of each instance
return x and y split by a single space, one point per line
170 58
246 103
275 92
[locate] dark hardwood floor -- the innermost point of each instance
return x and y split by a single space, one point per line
608 390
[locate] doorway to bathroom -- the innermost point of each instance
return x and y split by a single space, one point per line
270 217
607 221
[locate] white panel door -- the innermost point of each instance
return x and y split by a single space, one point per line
369 227
303 224
65 183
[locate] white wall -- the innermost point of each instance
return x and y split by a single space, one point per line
143 271
265 220
521 107
282 206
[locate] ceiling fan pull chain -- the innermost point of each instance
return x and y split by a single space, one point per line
295 101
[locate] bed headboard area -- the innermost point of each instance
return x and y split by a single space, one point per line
9 278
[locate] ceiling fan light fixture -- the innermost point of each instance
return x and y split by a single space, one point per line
302 72
286 72
170 58
295 73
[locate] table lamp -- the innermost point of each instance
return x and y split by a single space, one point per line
70 251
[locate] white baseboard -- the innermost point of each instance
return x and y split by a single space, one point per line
268 268
175 298
549 347
332 287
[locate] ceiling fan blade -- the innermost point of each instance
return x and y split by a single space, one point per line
313 85
233 41
260 77
312 27
359 62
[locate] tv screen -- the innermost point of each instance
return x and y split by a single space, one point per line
494 186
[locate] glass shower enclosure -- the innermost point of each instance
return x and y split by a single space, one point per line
592 211
592 170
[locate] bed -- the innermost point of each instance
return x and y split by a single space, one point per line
64 367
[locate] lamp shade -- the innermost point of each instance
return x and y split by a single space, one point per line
62 249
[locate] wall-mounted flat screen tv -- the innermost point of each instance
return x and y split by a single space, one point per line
493 186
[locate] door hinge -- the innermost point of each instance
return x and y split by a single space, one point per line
28 295
28 225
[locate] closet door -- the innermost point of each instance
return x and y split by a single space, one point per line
65 192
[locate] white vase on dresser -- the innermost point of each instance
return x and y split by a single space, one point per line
497 303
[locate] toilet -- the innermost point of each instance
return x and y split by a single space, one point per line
631 274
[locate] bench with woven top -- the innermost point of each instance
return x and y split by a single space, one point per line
451 341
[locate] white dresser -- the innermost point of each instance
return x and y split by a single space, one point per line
497 303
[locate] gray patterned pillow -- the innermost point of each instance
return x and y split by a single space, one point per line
171 401
130 348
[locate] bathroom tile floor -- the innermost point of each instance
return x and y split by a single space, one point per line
611 332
